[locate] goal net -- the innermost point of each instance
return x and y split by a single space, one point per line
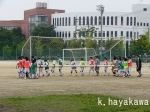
78 53
115 48
42 47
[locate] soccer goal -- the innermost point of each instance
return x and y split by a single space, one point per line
78 53
116 50
43 47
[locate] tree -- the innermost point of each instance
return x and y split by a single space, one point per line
141 45
87 32
7 51
117 50
74 43
57 44
90 43
47 31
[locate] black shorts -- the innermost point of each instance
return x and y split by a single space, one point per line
138 69
96 68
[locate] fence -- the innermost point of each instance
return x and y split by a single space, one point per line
12 54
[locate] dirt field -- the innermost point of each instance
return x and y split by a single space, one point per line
134 87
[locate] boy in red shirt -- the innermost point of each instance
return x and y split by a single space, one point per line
91 63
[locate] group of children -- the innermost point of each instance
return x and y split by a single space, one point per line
122 65
34 68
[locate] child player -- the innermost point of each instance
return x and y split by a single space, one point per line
60 64
19 66
73 68
40 63
106 66
33 69
53 62
46 67
26 68
129 65
91 63
82 65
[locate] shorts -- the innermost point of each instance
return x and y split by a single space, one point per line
105 68
26 70
91 68
73 68
96 68
20 69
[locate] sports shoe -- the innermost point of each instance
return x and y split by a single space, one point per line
43 75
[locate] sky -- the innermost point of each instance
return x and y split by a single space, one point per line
14 9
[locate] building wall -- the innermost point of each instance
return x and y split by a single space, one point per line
138 23
24 24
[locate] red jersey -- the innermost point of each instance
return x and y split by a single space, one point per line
26 64
106 62
91 62
20 64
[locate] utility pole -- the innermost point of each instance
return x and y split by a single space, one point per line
76 20
100 8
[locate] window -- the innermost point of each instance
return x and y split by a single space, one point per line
144 9
115 33
57 21
127 34
74 21
130 34
65 34
134 21
83 20
137 35
87 20
95 20
134 34
57 34
91 20
79 20
65 21
111 33
53 21
112 20
130 21
121 21
140 24
103 20
69 21
99 20
107 20
69 34
127 21
147 24
99 34
60 34
60 21
95 34
103 33
107 33
121 33
137 23
116 20
144 24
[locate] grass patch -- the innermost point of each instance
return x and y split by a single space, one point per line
66 103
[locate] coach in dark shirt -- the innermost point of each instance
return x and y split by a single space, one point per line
138 65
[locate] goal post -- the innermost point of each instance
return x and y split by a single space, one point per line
77 53
39 46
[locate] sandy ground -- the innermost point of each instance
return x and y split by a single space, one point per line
134 87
